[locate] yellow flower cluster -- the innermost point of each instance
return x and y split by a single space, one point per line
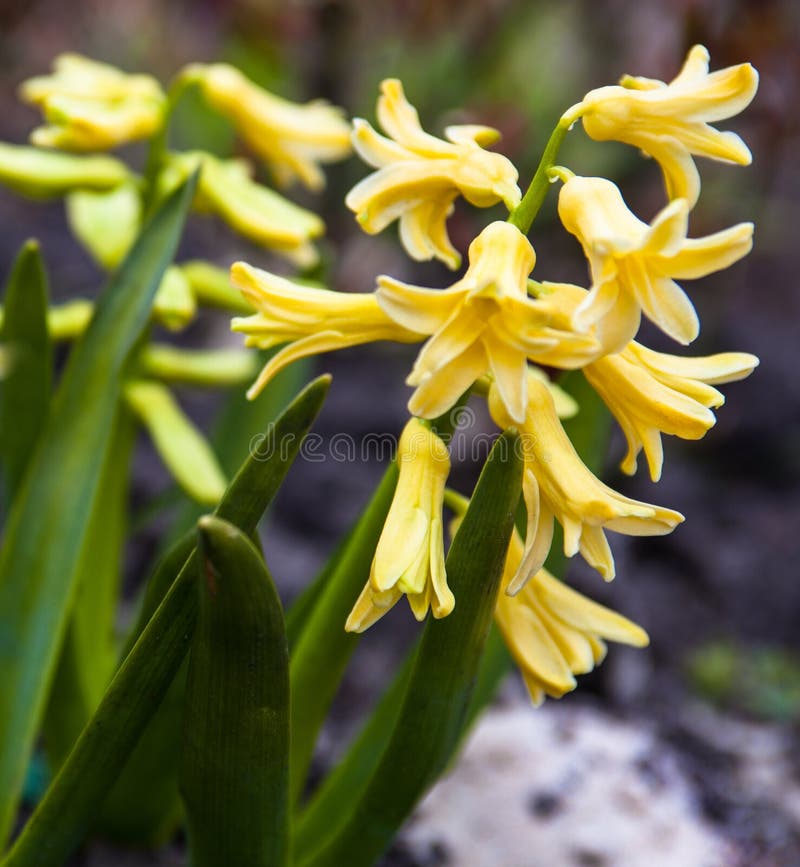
496 327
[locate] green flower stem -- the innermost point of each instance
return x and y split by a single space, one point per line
160 141
524 214
212 287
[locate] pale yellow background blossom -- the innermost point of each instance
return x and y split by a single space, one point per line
557 485
91 106
292 139
634 264
311 321
419 176
227 188
409 558
671 122
483 323
650 393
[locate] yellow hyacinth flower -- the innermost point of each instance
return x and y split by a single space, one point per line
226 188
634 264
91 106
650 393
557 485
292 139
419 176
671 122
311 321
483 323
409 558
553 632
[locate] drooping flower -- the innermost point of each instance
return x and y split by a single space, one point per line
557 485
409 559
634 265
292 139
671 122
483 323
419 176
650 393
91 106
310 320
226 188
553 632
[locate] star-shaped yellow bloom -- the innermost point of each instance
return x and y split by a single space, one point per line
292 139
671 122
91 106
650 393
419 176
311 321
409 558
634 265
557 485
483 323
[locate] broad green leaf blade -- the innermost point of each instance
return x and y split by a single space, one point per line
76 796
25 391
89 653
235 752
323 648
183 448
44 540
144 802
437 697
71 802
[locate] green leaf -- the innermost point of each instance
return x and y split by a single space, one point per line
350 777
77 794
322 650
144 802
25 393
89 653
185 451
234 768
437 697
44 540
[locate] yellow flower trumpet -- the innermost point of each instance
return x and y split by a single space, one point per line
91 106
671 122
292 139
557 485
553 632
311 321
483 323
650 393
409 558
634 265
419 176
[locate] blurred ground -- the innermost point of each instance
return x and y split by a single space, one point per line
700 730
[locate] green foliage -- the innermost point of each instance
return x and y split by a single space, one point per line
25 390
234 770
43 540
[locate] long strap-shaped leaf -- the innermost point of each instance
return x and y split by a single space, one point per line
235 768
75 797
26 388
50 516
440 684
323 648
